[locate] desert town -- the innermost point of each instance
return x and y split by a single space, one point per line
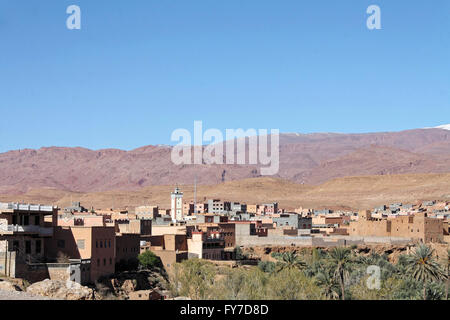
39 242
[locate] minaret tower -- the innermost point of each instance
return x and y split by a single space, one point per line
176 211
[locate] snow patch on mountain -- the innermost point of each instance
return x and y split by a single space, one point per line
445 127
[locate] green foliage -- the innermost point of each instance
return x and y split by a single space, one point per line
149 260
289 260
292 284
267 266
239 255
195 279
328 284
422 266
340 261
276 255
337 273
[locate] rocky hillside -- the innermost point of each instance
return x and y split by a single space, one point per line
304 158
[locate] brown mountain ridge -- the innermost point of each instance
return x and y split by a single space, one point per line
304 158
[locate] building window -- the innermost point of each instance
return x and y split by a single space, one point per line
98 262
104 261
81 244
109 243
61 244
105 244
28 247
38 246
14 219
96 243
15 245
110 260
37 221
26 220
101 244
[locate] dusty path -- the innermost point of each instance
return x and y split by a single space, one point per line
20 295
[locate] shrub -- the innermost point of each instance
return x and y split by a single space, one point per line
149 260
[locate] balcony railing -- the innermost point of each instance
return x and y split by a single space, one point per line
27 229
25 207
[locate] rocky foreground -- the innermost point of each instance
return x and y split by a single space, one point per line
20 295
45 290
121 286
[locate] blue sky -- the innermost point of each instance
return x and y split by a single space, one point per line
139 69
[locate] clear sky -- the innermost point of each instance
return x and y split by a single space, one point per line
138 69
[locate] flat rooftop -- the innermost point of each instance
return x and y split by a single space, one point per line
25 207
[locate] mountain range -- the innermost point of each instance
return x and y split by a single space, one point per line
309 159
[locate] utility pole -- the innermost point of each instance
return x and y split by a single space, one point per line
195 195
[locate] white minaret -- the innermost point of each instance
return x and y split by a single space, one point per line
176 211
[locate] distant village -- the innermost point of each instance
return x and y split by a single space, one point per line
40 242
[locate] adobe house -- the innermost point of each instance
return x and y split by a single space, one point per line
94 243
23 233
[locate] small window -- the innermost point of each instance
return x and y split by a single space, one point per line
104 261
28 247
101 244
110 260
96 244
37 220
26 220
98 262
38 246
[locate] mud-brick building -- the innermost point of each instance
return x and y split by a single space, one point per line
94 243
418 227
23 232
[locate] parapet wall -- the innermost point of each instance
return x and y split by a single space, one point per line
332 241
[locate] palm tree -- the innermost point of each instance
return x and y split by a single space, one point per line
290 260
340 260
423 267
448 274
328 284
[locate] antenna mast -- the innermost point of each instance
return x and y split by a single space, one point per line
195 195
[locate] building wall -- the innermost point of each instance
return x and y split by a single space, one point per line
170 257
162 229
94 243
417 227
362 227
252 208
127 247
136 226
228 233
175 242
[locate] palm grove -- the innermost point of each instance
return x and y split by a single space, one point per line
339 273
